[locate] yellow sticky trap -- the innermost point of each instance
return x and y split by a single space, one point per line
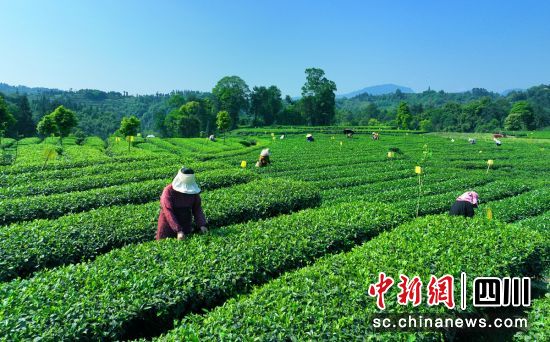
50 153
332 138
243 164
130 138
490 162
272 138
273 135
418 170
341 143
117 139
390 154
489 214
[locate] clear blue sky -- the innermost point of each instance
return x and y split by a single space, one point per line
148 46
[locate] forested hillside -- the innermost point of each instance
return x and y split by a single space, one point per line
98 112
476 110
186 113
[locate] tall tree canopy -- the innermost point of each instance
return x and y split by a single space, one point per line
65 120
521 117
6 118
232 94
129 126
59 122
223 121
404 116
190 119
25 124
47 126
265 105
318 102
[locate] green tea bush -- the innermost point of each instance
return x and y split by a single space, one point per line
33 167
539 321
30 246
329 300
119 296
529 204
74 174
53 206
138 174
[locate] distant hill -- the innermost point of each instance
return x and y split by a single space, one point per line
20 89
508 91
380 89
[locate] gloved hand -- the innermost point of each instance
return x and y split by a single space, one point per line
181 236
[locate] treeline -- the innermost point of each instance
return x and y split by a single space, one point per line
183 114
192 113
98 113
477 110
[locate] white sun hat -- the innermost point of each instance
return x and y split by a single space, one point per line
308 135
265 152
185 183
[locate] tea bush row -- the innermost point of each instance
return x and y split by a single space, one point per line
329 300
53 206
30 246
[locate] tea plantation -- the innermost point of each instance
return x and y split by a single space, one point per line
292 248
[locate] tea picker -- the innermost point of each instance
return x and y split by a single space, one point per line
465 204
180 202
264 158
309 138
349 132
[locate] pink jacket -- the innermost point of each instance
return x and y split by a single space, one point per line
177 211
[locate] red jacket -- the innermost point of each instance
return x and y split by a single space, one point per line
176 212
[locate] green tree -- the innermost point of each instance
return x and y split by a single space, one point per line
373 122
129 127
265 104
290 115
189 123
522 116
25 125
404 116
65 121
370 111
47 126
514 122
426 125
232 94
177 100
318 98
6 119
206 114
223 122
59 122
184 122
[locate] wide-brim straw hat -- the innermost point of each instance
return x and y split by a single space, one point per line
265 152
309 136
186 184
